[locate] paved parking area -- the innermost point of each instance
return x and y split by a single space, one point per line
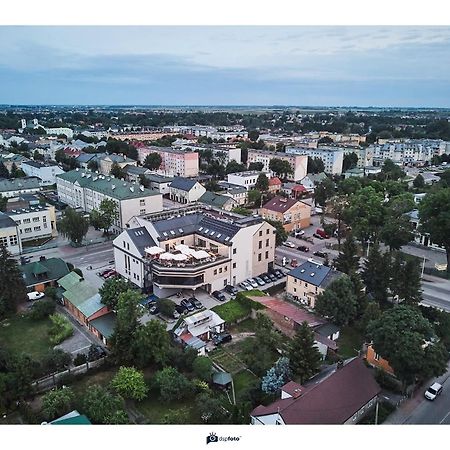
78 343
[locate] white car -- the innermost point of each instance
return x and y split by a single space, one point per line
35 295
289 244
245 285
433 391
298 233
253 283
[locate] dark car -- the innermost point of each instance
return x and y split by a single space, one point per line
231 289
219 339
265 277
320 254
303 248
187 304
195 303
272 277
219 296
181 309
278 273
154 309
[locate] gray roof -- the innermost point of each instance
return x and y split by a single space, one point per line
327 329
155 178
184 184
19 184
135 169
141 238
315 274
6 221
86 157
214 199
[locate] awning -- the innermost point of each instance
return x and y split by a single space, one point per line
200 254
153 250
180 257
166 256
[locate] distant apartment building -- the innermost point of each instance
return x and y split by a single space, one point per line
293 214
18 186
194 247
46 172
332 158
221 153
226 133
86 190
246 179
365 155
34 220
174 162
298 163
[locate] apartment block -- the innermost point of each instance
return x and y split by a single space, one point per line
332 158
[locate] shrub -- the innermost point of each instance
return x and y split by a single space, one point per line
172 384
202 368
42 309
130 383
60 330
80 359
57 402
55 360
50 292
78 271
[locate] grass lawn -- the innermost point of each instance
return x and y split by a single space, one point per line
246 326
232 311
349 342
227 360
241 380
154 409
102 378
21 334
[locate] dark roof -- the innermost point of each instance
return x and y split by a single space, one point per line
105 324
316 274
19 184
213 199
184 184
43 271
6 221
135 169
280 204
332 401
141 238
327 329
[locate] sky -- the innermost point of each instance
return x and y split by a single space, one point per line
160 65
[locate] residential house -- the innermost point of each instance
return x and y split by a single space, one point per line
308 280
46 172
246 179
421 237
237 193
105 163
274 185
10 159
287 317
86 189
293 214
9 234
217 200
375 360
193 247
41 274
184 190
294 190
357 172
344 397
103 326
312 180
134 173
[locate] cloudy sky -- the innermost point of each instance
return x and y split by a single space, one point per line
364 66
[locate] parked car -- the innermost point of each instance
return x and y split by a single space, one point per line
272 277
35 295
289 244
180 309
252 283
303 248
294 262
260 281
298 233
278 273
104 272
195 303
111 273
176 314
321 233
219 296
320 254
187 304
154 309
266 277
245 285
219 339
433 391
318 236
231 289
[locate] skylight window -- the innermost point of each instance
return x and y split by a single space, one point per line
164 233
172 232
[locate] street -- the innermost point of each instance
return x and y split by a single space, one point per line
419 410
436 292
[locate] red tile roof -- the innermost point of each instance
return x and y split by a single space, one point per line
280 204
332 401
290 311
298 188
275 181
294 389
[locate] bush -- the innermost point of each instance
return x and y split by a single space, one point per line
172 384
55 361
60 330
80 359
166 306
202 368
50 292
57 402
388 382
78 271
42 309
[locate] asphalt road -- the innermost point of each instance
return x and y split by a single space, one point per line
436 292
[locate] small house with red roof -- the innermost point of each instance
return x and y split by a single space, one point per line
274 185
344 397
294 190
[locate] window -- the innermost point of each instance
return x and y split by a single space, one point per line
234 265
225 269
260 244
215 271
376 357
37 228
27 230
26 220
259 256
142 202
260 232
220 270
267 231
13 240
234 251
35 219
142 211
124 244
267 242
45 225
44 219
4 241
18 222
267 255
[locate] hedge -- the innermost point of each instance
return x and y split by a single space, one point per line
60 330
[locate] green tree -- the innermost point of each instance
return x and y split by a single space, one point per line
3 203
371 312
233 167
108 214
202 368
101 406
153 161
179 416
127 324
254 197
349 186
130 383
166 306
112 288
323 192
280 233
210 409
304 357
3 171
262 183
376 273
336 209
172 384
434 213
73 226
405 282
280 167
315 165
92 165
402 336
258 166
350 161
42 309
152 344
57 402
419 182
338 301
253 135
12 286
117 171
348 259
392 171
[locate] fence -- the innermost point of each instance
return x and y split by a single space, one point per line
50 381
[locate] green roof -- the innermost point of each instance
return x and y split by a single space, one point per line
72 418
91 305
105 324
122 190
80 293
43 271
69 280
213 199
222 378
